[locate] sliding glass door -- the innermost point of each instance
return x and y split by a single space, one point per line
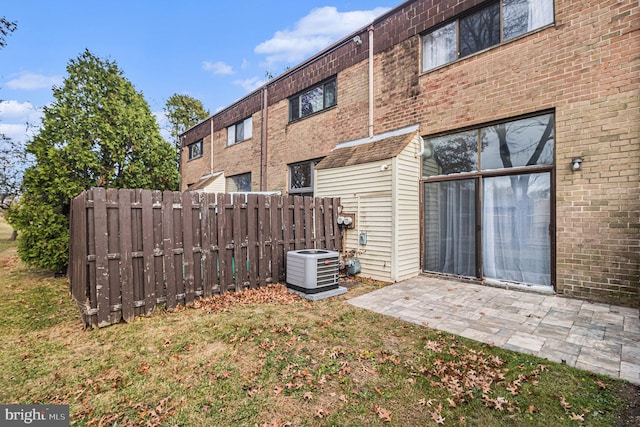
488 202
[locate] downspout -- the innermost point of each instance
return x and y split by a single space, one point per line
263 141
370 81
211 144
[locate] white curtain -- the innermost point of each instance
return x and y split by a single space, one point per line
439 47
515 224
540 13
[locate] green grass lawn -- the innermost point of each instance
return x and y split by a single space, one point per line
272 359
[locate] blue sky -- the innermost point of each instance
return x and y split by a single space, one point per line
214 51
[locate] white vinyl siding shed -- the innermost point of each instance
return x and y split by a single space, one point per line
377 180
213 183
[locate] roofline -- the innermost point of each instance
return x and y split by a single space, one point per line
346 39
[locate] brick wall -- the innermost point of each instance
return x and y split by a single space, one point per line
585 68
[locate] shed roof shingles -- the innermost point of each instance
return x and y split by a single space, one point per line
382 149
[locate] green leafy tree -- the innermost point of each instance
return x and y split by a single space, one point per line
98 132
182 112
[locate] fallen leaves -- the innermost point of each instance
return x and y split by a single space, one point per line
382 413
576 417
275 293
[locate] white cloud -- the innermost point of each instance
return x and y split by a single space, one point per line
244 64
314 32
14 109
19 121
217 67
32 81
250 84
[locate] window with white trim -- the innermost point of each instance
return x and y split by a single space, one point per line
240 131
483 28
313 100
195 150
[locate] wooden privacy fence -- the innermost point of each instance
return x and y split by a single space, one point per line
133 249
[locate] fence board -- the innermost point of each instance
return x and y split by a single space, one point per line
261 244
215 250
298 217
223 238
309 235
327 207
91 234
205 245
187 266
252 239
158 253
102 262
275 212
237 260
148 266
126 264
133 249
169 268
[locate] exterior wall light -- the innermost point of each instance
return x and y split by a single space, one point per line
357 40
576 164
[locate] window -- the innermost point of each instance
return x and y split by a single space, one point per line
195 150
239 183
517 143
313 100
301 178
480 30
482 217
240 131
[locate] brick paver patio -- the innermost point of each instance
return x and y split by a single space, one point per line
595 337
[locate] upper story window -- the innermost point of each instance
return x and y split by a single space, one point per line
195 150
317 98
241 183
481 29
301 178
240 131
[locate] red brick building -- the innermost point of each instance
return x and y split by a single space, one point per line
529 116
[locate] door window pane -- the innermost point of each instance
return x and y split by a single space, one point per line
455 153
480 30
449 226
439 47
526 142
515 228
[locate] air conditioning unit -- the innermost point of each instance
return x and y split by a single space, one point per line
312 271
